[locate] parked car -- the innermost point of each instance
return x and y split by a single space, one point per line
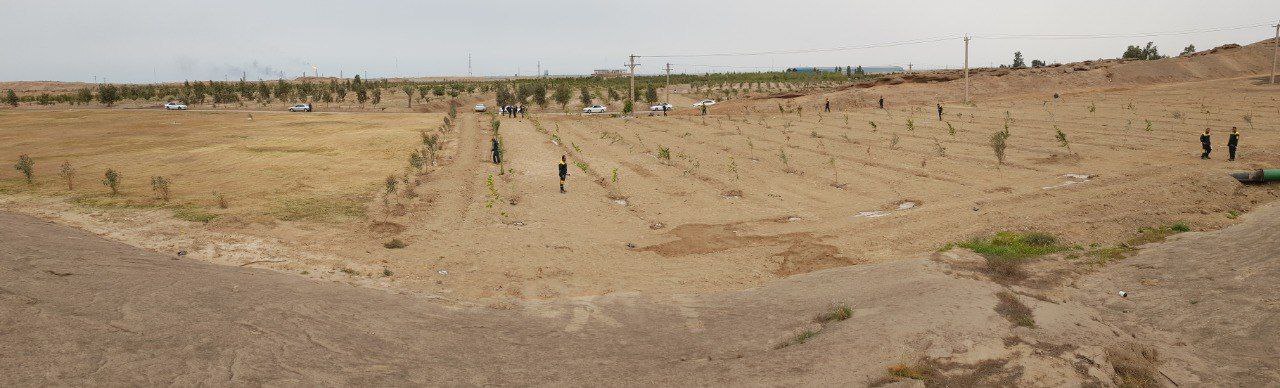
300 108
594 109
481 108
659 107
175 106
704 103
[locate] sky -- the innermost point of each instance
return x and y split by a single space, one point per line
156 41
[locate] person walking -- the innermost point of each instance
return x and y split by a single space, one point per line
939 112
827 107
1232 142
881 102
564 171
497 152
1205 143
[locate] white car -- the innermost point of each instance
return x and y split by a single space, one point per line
300 108
704 103
480 108
594 109
175 106
661 107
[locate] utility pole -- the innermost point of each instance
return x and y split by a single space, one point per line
632 65
1276 56
539 75
667 99
468 64
966 69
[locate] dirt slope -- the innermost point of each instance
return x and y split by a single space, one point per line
81 310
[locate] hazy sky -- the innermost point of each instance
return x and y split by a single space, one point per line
145 41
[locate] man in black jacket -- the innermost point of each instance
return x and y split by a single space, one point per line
497 152
1232 142
1204 142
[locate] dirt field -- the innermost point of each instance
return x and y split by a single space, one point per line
723 212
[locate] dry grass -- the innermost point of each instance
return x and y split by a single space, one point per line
1014 310
318 167
1134 365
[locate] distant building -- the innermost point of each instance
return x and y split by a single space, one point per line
865 69
609 73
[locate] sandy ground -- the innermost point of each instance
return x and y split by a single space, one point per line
724 212
82 310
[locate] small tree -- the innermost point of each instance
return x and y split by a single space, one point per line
1037 63
26 167
112 180
1190 49
999 141
160 185
651 94
108 94
68 173
391 184
1018 62
11 98
408 94
627 107
584 96
1062 138
858 71
377 96
562 95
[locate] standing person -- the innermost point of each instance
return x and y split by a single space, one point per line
497 152
704 109
564 171
1204 142
939 112
522 115
827 106
881 102
1232 142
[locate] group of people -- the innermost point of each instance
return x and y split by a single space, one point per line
1233 141
512 111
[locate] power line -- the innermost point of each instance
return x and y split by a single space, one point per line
950 37
1110 36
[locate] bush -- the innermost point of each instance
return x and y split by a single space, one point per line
395 243
68 173
111 179
26 166
160 186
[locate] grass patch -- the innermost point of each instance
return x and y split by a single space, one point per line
803 337
395 243
317 209
1007 251
348 271
908 372
1134 365
1014 310
193 214
110 202
1145 235
836 314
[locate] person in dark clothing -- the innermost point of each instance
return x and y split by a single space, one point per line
881 102
497 152
564 172
1204 142
827 107
704 109
1232 142
520 109
939 112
